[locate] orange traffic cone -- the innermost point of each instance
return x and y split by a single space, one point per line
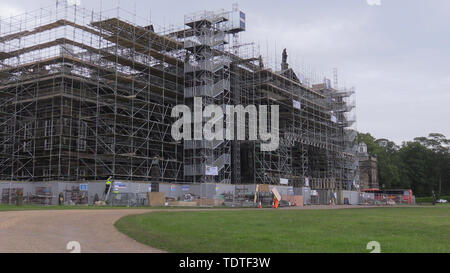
260 206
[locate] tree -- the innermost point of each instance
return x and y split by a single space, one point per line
438 146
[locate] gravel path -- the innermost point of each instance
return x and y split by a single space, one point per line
46 231
51 230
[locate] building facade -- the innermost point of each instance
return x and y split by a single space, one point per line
368 168
84 96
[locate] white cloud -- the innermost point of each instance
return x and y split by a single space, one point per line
374 2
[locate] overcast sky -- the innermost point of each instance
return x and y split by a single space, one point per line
395 54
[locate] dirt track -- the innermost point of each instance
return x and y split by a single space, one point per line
50 230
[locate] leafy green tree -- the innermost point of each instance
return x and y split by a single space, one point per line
415 158
438 171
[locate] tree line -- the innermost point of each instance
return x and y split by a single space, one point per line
422 165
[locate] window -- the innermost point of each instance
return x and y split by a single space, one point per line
82 171
66 122
81 144
8 149
48 127
48 132
8 130
28 130
48 144
27 146
83 129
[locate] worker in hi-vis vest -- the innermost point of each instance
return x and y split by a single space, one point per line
108 185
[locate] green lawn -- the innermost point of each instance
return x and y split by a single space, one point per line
349 230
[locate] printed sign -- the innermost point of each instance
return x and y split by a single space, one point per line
83 187
276 193
284 181
185 188
296 104
211 170
120 185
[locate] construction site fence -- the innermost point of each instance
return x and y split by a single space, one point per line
136 194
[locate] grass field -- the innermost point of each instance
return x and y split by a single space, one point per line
348 230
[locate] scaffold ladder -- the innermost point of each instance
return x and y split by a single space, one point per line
109 190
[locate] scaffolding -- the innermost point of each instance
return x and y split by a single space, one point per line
85 96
